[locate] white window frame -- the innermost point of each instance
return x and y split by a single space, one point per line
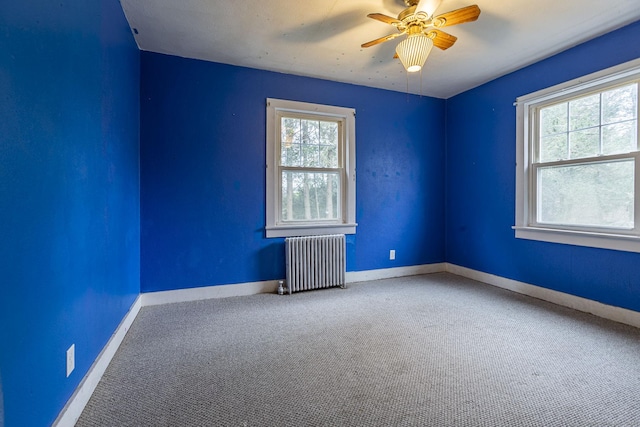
346 117
526 226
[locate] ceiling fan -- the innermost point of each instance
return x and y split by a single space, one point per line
422 28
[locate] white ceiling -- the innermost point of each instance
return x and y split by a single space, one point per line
322 38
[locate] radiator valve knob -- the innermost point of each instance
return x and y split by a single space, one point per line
280 287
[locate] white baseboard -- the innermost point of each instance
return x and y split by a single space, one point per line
208 292
388 273
252 288
617 314
74 407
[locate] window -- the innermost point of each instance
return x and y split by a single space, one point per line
578 170
310 169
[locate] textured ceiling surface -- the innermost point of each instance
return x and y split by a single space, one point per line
322 38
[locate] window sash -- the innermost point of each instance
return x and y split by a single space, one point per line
534 194
280 115
341 211
535 108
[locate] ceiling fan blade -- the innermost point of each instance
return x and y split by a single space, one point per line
381 40
428 6
441 39
458 16
383 18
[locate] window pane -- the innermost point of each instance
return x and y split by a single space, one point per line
584 112
553 147
310 132
310 196
329 157
553 119
584 143
291 156
290 133
329 133
290 129
329 147
619 138
599 194
620 104
309 155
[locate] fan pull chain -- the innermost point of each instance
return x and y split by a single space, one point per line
407 75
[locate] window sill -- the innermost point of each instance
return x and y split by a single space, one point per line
310 230
617 242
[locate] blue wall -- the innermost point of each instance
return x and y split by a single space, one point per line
480 192
69 194
203 173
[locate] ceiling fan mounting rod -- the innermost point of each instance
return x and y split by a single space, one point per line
410 3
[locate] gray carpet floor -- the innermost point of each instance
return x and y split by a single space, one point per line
433 350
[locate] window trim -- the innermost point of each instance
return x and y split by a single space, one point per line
525 221
275 228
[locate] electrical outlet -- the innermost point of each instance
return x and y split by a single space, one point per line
71 359
392 254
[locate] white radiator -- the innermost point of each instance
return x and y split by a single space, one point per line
315 262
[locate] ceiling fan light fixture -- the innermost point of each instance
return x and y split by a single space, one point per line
413 51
